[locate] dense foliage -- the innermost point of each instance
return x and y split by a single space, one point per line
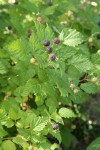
49 66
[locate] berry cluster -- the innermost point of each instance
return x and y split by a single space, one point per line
49 48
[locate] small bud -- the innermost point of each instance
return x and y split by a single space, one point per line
24 105
24 108
39 19
75 91
72 86
97 83
90 122
9 93
94 79
30 147
11 2
35 148
33 61
90 40
59 103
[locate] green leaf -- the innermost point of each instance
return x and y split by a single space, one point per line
95 145
66 113
19 49
39 100
3 116
19 140
66 137
14 113
38 138
26 133
62 85
72 38
54 146
8 145
9 123
81 62
57 118
52 104
3 69
90 88
96 58
2 132
31 86
39 123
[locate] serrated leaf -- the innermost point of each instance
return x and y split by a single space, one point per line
90 88
81 62
19 49
66 113
19 140
26 133
39 123
57 118
73 38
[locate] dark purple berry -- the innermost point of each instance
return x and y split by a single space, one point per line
52 57
98 23
49 49
56 40
49 3
9 27
46 43
55 126
98 36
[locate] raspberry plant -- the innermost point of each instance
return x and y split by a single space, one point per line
38 89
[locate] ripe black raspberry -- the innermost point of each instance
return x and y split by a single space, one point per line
52 57
98 36
49 49
55 126
56 40
49 3
46 43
